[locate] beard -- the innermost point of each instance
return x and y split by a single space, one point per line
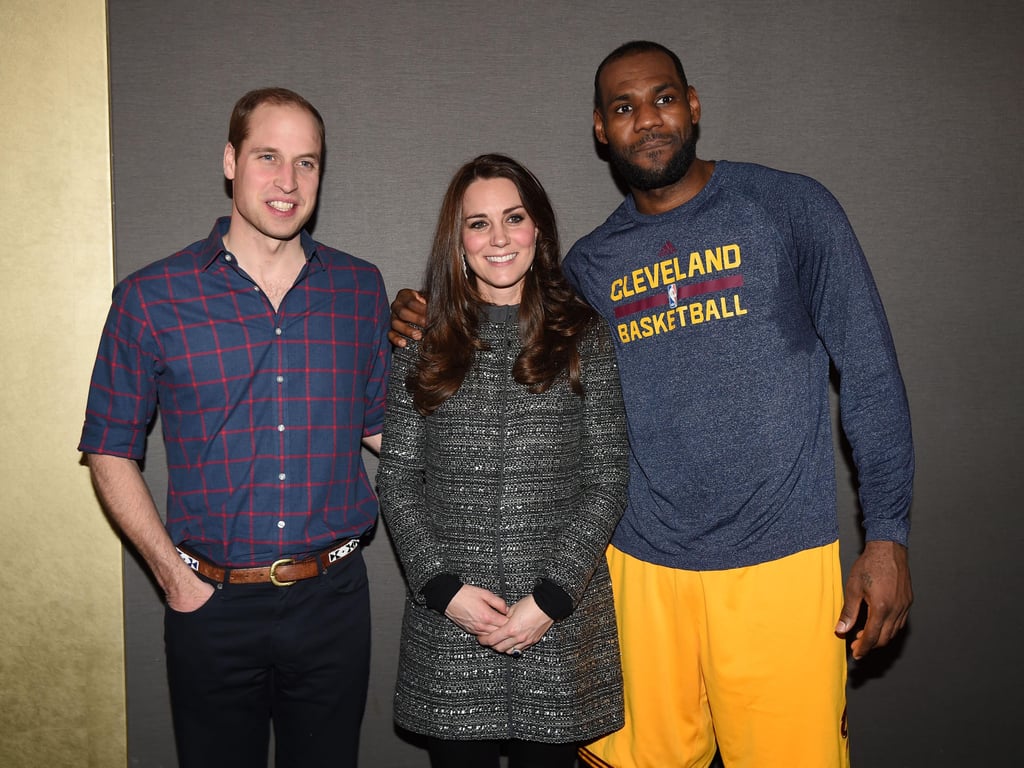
646 179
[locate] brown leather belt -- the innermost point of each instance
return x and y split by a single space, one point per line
281 573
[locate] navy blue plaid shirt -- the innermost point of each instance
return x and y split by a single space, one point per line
262 412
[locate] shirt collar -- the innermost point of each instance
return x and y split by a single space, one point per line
214 248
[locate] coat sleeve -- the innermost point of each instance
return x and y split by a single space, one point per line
400 480
603 469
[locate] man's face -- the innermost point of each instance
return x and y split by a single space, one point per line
648 120
275 173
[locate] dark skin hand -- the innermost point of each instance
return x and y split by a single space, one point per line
408 316
880 578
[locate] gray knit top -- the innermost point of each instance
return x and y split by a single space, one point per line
503 488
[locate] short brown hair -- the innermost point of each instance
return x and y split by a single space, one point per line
238 128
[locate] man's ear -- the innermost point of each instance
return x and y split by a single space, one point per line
229 161
599 127
694 99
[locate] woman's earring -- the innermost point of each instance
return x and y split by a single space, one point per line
465 270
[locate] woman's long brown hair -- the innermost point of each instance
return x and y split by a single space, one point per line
551 316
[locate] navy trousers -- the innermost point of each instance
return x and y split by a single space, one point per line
296 656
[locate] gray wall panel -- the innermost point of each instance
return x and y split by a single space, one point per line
910 112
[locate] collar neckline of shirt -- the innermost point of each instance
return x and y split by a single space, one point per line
501 313
693 202
214 248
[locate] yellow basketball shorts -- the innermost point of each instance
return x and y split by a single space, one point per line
745 658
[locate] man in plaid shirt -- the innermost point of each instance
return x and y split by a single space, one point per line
266 354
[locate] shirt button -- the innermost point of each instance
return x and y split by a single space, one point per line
227 257
280 379
280 427
282 476
280 523
277 331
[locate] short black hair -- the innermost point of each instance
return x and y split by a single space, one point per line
628 49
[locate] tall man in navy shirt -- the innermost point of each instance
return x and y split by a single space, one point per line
266 354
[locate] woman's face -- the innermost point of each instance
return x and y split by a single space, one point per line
499 239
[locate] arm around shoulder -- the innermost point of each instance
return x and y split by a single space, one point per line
408 317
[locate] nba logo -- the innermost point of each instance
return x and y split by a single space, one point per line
672 296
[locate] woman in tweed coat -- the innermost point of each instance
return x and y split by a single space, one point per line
502 475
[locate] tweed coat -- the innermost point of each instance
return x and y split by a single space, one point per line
503 487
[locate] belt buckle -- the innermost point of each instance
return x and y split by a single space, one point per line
273 574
